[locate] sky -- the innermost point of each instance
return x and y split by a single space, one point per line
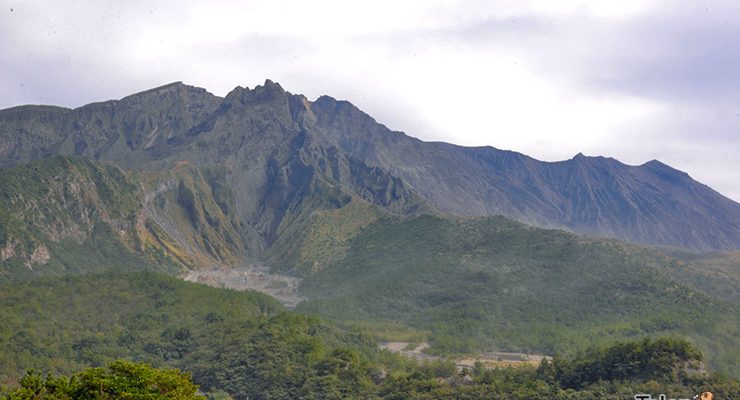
633 80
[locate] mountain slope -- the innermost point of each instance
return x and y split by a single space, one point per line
491 283
265 134
61 215
241 342
110 130
64 215
492 278
185 180
648 204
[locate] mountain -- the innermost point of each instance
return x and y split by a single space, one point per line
60 216
492 283
219 184
64 215
648 204
175 179
470 283
274 145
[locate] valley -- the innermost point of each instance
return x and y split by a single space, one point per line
282 287
272 244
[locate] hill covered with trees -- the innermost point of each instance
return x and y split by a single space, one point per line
247 346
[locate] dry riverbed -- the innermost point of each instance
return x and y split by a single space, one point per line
282 287
488 360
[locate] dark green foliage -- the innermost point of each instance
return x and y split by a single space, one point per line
240 342
646 366
119 380
62 324
286 356
244 345
493 284
644 360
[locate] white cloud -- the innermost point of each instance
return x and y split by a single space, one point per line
547 78
598 8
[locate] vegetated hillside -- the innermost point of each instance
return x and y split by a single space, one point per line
279 149
245 346
715 273
241 342
491 283
66 215
475 283
69 214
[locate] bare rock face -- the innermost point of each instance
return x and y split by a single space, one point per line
651 204
281 157
218 182
40 255
62 215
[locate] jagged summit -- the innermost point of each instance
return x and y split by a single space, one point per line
273 141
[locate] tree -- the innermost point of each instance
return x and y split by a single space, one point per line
119 380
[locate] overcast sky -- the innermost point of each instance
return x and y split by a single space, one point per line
634 80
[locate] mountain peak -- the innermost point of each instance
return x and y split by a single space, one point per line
268 92
579 157
174 88
667 171
169 87
272 84
586 194
656 163
273 88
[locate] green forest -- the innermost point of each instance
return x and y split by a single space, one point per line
85 337
490 283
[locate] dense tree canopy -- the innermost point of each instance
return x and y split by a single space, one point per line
244 345
119 380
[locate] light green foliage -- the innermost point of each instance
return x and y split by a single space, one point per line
715 273
328 233
119 380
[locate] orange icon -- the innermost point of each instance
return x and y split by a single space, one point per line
707 396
